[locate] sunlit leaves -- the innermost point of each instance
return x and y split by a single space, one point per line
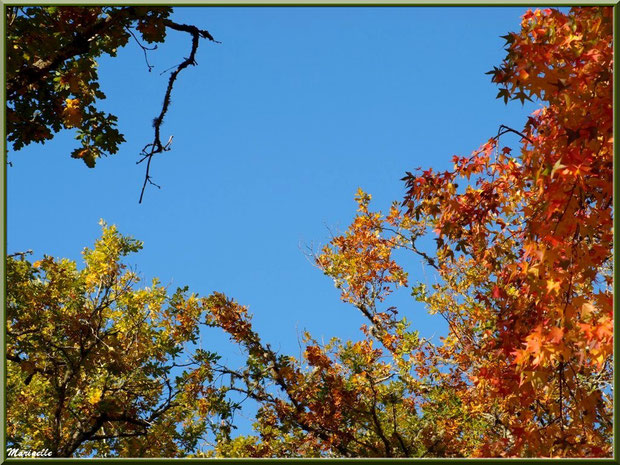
360 261
521 274
92 356
526 246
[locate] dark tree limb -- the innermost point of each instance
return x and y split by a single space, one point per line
401 441
33 370
156 146
79 437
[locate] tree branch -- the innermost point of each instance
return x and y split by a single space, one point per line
101 437
144 48
376 421
81 436
22 255
505 129
156 146
80 44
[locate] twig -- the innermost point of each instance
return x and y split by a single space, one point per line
22 255
144 48
156 146
505 129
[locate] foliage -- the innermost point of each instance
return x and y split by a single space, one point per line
529 295
524 273
52 79
523 277
99 366
524 251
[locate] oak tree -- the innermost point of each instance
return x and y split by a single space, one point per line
52 79
97 365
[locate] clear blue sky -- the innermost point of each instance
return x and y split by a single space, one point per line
274 131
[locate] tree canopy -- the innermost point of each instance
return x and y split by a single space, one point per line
523 269
94 361
52 79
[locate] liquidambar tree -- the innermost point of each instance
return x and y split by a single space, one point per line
523 277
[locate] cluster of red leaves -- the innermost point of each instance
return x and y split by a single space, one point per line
535 235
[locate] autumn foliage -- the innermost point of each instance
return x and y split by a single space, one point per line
52 76
522 272
97 365
525 249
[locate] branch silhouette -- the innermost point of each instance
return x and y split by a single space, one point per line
153 148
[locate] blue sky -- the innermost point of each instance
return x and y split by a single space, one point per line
274 131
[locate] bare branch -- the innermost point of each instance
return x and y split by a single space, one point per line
505 129
144 48
22 255
156 146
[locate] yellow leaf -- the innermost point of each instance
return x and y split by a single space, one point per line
95 396
553 286
72 113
